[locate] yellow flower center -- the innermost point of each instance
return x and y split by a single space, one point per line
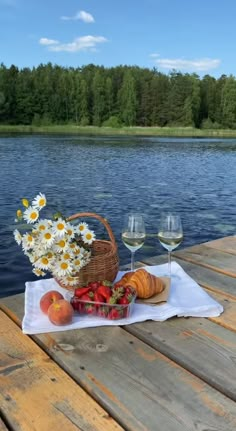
30 238
61 243
69 231
88 236
45 260
77 262
66 256
42 202
49 255
81 228
47 235
33 215
64 265
42 227
60 226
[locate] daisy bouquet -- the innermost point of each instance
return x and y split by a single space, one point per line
54 245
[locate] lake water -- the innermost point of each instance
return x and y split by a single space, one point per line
112 176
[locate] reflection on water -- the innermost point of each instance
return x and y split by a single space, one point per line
112 176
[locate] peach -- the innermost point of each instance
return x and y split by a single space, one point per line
60 312
48 298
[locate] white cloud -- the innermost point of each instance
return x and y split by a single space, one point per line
82 15
84 43
85 16
154 55
47 42
197 65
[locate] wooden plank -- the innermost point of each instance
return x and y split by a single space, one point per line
203 348
138 384
209 279
37 395
208 257
226 244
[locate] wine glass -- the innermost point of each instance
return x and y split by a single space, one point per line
170 234
133 233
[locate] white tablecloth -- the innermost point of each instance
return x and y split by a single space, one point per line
186 298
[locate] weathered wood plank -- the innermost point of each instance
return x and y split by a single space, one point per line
37 395
207 278
205 349
226 244
209 257
228 318
138 384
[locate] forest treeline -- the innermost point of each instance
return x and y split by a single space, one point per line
118 96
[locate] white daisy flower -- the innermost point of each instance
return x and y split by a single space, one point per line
67 256
31 215
40 201
59 227
82 227
88 236
62 268
70 231
50 255
17 236
43 263
47 238
77 252
78 264
42 225
60 246
39 272
27 241
71 281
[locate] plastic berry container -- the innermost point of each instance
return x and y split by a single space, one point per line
102 309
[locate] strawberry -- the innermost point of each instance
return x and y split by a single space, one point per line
98 297
115 313
79 291
105 291
129 290
89 308
94 285
87 296
124 300
102 311
75 304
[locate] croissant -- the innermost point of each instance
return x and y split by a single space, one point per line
145 284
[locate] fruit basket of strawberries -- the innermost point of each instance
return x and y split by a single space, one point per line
103 299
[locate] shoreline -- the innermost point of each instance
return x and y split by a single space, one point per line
180 132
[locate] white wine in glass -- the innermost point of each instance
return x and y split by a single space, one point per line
170 234
133 233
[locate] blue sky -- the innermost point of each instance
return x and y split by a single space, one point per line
186 35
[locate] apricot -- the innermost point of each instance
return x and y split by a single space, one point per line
60 312
48 298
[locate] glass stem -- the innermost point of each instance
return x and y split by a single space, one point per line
132 261
169 263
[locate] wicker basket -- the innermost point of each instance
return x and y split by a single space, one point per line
104 263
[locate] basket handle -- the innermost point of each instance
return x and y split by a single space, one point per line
98 217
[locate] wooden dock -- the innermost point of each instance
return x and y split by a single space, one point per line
177 375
